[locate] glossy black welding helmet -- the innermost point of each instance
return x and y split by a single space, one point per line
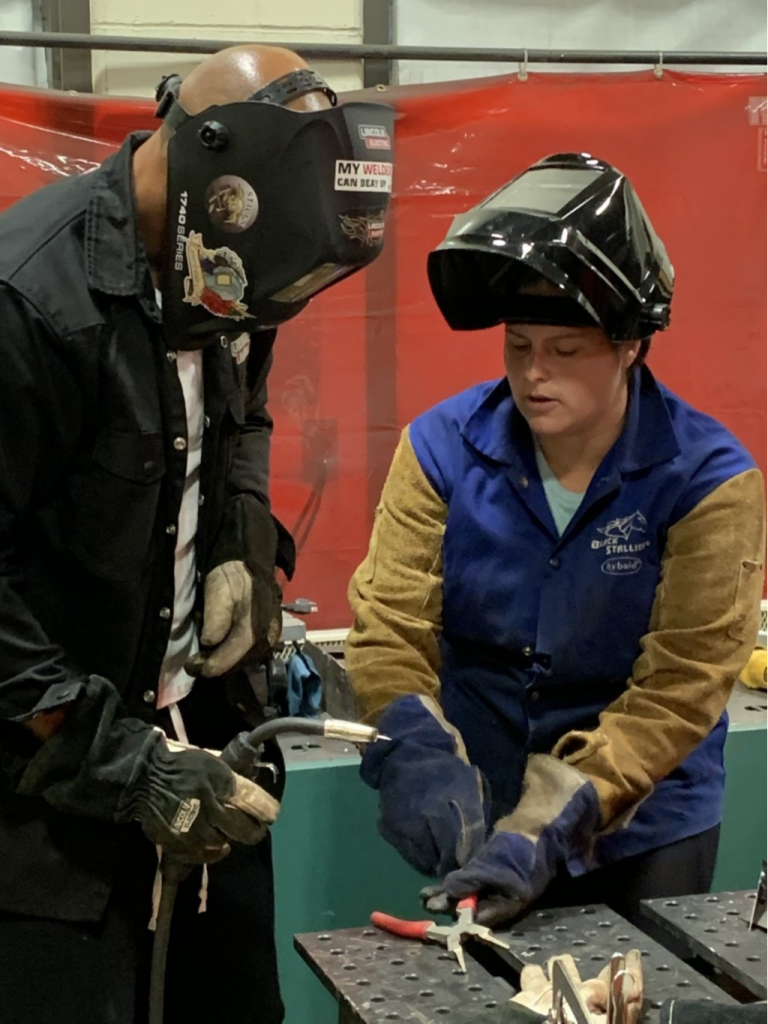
572 221
267 206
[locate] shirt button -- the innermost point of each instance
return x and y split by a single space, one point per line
207 421
171 357
149 467
165 613
179 443
523 481
150 696
223 341
171 530
528 651
555 562
201 500
535 695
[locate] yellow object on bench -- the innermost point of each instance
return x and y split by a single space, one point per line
754 674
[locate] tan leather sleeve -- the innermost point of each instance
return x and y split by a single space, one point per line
702 631
396 594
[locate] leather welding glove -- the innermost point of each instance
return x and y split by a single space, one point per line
536 989
432 802
242 619
556 817
190 803
102 764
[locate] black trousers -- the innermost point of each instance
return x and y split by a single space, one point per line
222 964
684 868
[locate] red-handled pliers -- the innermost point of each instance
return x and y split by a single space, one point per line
450 936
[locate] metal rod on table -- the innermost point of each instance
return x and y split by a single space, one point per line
354 51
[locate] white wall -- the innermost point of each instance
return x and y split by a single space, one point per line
137 74
21 65
736 25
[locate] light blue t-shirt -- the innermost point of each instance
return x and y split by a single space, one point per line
562 503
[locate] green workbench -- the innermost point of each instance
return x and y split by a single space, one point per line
332 868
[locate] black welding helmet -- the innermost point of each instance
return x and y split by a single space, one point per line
573 221
267 206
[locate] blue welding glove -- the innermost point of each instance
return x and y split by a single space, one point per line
555 820
432 802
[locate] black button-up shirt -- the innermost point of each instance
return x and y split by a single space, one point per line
92 469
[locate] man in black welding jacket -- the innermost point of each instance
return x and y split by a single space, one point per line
137 548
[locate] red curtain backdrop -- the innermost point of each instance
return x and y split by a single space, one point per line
372 353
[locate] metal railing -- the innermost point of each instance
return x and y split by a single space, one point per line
355 51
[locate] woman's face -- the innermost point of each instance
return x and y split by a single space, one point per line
566 381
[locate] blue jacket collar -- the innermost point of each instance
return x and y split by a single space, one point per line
496 429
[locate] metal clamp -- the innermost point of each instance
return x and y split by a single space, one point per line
565 994
757 918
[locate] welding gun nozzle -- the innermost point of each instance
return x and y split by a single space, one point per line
352 732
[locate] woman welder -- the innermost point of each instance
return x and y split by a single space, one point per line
564 577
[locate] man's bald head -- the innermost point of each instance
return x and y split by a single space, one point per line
229 76
235 74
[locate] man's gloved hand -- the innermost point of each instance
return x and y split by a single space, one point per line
190 803
536 990
556 818
101 764
242 619
431 800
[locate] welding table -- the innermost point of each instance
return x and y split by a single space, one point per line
377 977
332 868
713 929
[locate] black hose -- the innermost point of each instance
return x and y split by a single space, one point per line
240 755
160 950
268 731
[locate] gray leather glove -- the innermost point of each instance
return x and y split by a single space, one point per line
242 619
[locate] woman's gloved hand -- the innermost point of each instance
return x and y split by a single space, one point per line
557 815
433 806
242 619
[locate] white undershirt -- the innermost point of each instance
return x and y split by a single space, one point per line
175 683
